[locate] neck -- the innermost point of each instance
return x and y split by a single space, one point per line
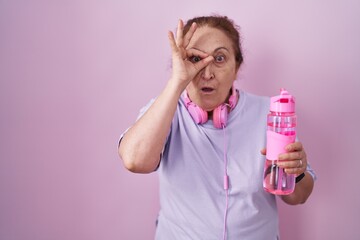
210 113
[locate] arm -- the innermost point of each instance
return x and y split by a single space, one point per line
141 146
302 191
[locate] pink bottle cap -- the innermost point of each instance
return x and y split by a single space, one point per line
283 102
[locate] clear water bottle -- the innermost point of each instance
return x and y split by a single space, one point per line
281 124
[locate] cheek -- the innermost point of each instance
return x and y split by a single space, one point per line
191 90
226 74
190 87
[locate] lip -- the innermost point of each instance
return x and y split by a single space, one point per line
207 90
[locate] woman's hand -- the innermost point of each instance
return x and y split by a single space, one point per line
186 64
294 161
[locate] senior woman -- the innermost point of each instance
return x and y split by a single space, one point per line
206 140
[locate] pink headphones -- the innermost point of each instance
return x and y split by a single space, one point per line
220 113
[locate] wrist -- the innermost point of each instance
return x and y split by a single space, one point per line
175 87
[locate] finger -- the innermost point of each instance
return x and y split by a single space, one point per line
189 34
179 33
301 166
291 156
172 42
292 164
296 146
195 52
263 151
296 171
203 63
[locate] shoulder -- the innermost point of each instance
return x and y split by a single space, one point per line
253 98
252 101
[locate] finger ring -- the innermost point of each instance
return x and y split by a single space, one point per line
300 163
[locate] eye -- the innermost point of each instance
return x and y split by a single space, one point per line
220 58
195 59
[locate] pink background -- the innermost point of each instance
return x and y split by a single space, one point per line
73 75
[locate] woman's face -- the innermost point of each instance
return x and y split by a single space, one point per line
211 86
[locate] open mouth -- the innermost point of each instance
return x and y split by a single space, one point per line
207 89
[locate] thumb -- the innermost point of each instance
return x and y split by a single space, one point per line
263 151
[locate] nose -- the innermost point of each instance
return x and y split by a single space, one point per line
207 73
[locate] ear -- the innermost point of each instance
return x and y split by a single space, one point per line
237 68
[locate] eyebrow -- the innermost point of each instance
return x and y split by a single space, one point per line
219 48
216 49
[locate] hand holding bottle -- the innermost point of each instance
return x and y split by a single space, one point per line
294 161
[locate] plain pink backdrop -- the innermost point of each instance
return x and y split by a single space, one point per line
74 74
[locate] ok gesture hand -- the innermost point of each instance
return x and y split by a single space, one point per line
186 63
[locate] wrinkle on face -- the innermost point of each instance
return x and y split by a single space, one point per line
213 42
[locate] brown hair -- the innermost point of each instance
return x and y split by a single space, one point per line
224 24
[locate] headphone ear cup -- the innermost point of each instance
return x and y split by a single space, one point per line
199 115
220 116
